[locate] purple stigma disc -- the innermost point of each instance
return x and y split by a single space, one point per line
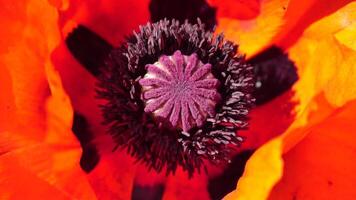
180 89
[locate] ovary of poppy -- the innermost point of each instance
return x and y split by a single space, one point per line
322 88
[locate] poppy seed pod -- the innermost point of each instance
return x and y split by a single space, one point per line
176 95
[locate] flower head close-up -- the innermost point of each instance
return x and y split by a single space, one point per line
177 99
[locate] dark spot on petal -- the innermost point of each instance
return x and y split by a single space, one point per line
88 48
90 156
225 183
80 128
89 159
330 183
182 10
275 73
154 192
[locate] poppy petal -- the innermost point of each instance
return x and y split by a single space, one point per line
53 162
224 183
327 140
110 179
113 177
347 36
16 182
112 19
238 9
262 171
254 34
269 120
39 148
334 74
320 90
180 186
300 14
322 165
23 68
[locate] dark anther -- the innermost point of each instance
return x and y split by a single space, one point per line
154 192
90 156
275 73
182 10
225 183
88 48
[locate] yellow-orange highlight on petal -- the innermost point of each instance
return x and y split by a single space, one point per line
300 14
347 36
62 148
59 111
60 4
322 60
262 171
326 67
255 34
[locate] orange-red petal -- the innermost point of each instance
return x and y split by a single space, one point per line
109 18
322 165
300 14
113 20
324 115
238 9
180 186
23 68
113 177
38 153
254 34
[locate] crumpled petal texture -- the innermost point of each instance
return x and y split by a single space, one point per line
18 81
38 149
322 165
301 14
318 147
254 34
39 154
111 19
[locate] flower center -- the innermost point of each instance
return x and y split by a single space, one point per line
180 89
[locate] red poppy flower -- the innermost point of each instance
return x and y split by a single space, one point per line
47 98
